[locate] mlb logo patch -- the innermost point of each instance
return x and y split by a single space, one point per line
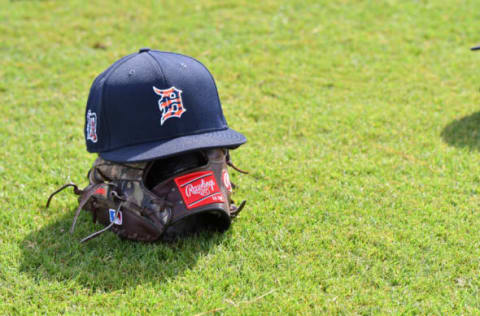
92 126
170 103
116 217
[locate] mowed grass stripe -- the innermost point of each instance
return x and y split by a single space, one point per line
362 125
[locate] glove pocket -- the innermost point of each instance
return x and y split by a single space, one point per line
136 227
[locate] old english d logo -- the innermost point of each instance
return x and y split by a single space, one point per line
170 103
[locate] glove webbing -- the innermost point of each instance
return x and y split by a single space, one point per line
86 194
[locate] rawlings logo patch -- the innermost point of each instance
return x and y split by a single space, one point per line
170 103
199 188
92 126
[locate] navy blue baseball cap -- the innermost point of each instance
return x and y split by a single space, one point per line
154 104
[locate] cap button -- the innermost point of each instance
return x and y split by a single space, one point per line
144 49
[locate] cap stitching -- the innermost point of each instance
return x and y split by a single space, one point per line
203 131
114 67
157 65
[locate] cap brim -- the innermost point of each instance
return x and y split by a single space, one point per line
227 138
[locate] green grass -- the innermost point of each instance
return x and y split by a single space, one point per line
363 127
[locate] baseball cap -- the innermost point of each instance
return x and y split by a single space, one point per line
154 104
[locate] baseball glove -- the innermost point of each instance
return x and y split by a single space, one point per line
162 199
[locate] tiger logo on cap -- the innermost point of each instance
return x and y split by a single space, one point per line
170 103
92 126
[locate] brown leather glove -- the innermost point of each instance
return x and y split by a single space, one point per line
162 199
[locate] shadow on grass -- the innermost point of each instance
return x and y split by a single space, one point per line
107 263
464 132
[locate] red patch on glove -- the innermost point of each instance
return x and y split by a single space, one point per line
199 188
100 191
